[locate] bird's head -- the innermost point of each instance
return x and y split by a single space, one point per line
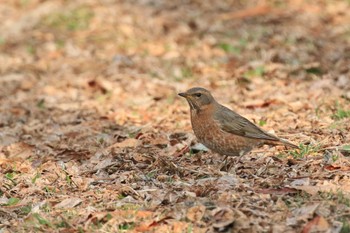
198 98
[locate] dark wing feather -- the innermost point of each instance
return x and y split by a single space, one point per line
231 122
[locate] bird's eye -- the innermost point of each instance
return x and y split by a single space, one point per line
198 94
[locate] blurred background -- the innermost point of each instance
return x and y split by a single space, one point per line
128 59
282 64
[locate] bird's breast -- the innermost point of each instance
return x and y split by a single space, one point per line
204 127
210 134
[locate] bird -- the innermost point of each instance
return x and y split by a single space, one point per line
222 130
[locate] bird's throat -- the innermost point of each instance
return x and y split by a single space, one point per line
193 106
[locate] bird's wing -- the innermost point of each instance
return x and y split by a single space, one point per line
231 122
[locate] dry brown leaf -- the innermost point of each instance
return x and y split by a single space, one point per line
302 214
332 167
196 213
250 12
179 227
279 191
303 181
325 186
129 142
226 218
223 217
69 202
313 190
18 150
317 224
260 103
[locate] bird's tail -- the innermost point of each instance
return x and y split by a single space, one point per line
280 141
287 143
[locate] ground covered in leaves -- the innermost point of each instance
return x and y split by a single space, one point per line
93 136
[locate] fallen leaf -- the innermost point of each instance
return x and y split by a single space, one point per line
302 214
331 167
196 213
227 218
325 186
284 190
300 182
313 190
247 13
259 103
129 142
345 150
69 202
18 150
223 219
317 224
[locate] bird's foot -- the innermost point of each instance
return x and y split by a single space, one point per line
230 164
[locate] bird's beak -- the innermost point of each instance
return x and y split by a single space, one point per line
183 94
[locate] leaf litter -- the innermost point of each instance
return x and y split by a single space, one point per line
94 138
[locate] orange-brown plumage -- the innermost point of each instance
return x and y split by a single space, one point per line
221 129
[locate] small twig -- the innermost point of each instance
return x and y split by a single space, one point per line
196 172
239 203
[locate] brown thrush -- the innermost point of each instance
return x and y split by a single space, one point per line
221 129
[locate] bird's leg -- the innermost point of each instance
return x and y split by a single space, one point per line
225 159
235 165
239 157
224 166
